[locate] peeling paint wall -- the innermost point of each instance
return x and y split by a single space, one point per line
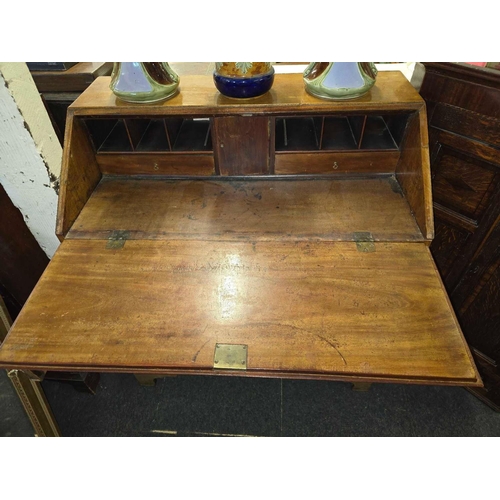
30 156
23 89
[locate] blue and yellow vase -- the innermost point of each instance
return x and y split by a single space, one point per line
243 79
339 80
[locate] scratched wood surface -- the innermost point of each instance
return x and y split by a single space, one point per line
251 209
198 94
319 308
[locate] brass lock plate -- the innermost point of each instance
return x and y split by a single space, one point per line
230 357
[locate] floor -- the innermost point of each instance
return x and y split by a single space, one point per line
207 406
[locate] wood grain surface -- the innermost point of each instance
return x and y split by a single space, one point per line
476 148
254 210
414 174
198 95
336 162
462 182
156 164
302 308
467 123
462 86
242 145
79 175
465 139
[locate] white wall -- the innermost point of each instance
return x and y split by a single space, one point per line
30 155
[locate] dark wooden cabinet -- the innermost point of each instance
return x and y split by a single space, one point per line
464 139
22 261
60 88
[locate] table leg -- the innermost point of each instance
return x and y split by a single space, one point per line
146 380
30 392
361 386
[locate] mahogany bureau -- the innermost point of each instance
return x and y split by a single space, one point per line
282 236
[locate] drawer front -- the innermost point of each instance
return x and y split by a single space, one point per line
481 98
331 163
480 314
461 181
156 164
448 244
466 123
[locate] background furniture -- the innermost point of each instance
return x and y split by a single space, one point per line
60 88
23 261
463 104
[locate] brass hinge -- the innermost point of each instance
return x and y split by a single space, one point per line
364 241
117 239
230 356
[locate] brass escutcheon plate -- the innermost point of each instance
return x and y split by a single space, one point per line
230 357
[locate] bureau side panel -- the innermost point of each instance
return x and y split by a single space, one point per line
80 174
413 172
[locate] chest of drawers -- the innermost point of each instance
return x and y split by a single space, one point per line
464 129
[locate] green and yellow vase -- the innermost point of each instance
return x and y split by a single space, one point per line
143 81
339 80
243 79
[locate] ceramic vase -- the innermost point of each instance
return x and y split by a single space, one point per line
339 80
243 79
143 81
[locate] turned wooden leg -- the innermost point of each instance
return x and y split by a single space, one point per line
361 386
35 403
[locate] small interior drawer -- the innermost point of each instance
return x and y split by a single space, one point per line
154 164
323 162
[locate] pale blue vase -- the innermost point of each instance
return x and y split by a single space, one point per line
339 80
